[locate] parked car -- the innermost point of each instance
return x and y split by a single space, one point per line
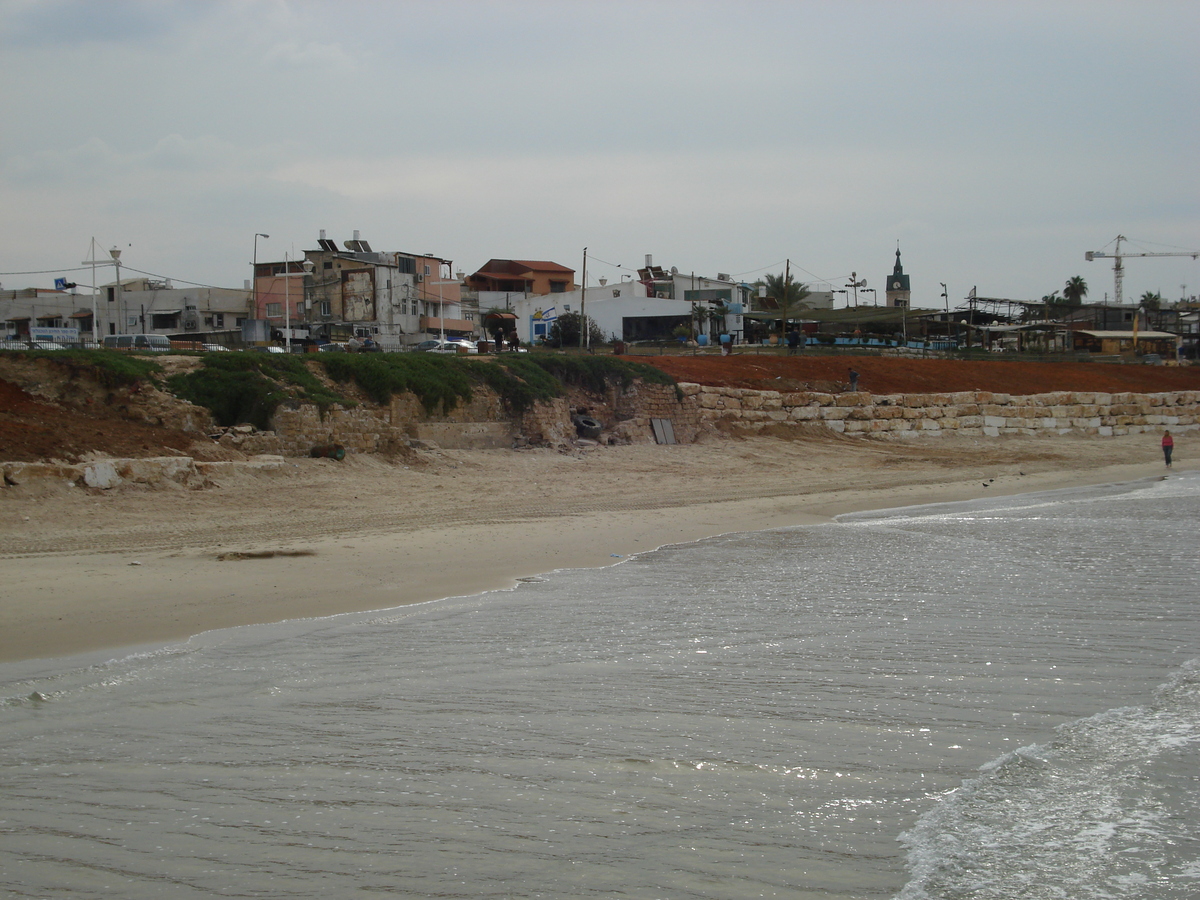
271 349
17 344
155 343
215 348
450 345
331 347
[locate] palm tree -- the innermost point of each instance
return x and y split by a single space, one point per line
790 294
1151 300
1074 291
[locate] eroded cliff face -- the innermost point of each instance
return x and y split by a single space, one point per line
49 411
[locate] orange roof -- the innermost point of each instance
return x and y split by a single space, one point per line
513 267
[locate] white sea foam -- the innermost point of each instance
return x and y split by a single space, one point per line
1102 811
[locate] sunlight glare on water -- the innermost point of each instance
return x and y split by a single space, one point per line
757 715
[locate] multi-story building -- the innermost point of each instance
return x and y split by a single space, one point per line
395 298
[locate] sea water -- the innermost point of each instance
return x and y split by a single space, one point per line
988 700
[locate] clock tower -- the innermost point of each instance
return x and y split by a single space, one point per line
898 294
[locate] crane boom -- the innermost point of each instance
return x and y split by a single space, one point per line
1119 270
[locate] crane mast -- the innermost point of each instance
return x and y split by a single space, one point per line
1119 269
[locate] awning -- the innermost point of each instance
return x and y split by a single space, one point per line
82 314
1127 335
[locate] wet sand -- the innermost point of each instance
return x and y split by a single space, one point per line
98 571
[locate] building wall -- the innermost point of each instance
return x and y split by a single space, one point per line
607 305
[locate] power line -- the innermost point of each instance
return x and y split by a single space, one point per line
126 268
54 271
216 287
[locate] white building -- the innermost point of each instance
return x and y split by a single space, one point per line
626 310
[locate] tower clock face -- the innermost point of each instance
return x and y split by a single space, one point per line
895 285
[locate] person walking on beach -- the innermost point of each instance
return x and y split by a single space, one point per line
1168 444
853 380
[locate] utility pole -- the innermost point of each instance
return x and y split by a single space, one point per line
583 302
120 299
787 291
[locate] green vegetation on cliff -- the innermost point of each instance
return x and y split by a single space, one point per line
249 387
108 368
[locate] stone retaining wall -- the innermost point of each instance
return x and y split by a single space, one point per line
968 412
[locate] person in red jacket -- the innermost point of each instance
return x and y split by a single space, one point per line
1168 444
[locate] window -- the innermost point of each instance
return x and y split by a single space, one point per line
328 264
208 321
558 287
165 321
326 308
274 310
219 320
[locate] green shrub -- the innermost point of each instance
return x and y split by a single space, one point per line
105 366
247 388
519 380
437 381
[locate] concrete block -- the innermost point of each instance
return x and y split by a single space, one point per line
27 472
101 474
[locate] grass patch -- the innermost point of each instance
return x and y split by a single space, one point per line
519 380
108 368
595 373
247 388
439 382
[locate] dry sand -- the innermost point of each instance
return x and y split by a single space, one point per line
85 572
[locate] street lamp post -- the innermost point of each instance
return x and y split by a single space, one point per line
116 256
254 271
855 283
945 295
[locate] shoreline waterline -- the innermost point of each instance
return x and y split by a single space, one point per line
71 602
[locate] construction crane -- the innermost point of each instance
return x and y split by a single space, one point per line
1118 269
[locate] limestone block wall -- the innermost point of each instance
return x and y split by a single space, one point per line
548 423
635 407
967 412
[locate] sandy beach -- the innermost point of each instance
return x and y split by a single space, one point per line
99 571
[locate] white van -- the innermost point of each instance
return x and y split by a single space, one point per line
155 343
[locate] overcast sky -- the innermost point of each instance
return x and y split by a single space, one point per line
995 141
